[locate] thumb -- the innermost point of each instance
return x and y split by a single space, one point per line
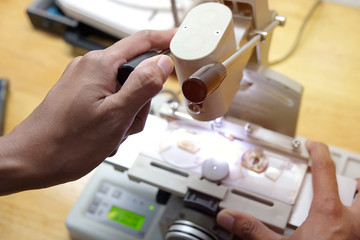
145 82
245 226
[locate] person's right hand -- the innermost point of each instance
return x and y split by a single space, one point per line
328 218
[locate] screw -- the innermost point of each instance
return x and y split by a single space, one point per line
296 143
281 19
218 121
248 128
174 105
185 27
195 108
217 32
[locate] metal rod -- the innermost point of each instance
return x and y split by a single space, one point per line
175 13
247 46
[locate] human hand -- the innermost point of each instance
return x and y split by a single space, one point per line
85 116
327 219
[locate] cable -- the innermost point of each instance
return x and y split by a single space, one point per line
299 35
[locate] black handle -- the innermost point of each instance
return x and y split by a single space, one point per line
125 70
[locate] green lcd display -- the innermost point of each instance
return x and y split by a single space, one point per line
125 217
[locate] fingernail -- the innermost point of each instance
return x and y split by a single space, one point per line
226 221
166 65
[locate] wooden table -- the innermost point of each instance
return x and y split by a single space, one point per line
326 63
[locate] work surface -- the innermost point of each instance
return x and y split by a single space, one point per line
326 63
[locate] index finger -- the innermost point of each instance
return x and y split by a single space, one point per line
138 43
323 173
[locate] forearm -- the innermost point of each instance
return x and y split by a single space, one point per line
22 159
14 173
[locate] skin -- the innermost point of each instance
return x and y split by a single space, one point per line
85 116
328 218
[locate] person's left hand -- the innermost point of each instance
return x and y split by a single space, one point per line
85 116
